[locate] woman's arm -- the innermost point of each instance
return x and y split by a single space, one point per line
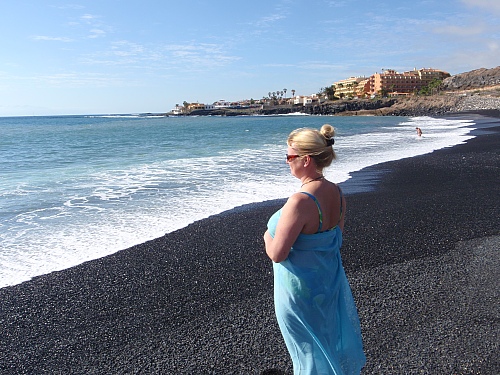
290 224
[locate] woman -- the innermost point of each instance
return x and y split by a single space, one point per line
313 301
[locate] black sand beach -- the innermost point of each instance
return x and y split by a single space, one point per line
421 252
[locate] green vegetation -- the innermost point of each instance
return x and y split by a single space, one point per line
432 88
329 92
383 92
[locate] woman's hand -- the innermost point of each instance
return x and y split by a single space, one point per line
267 238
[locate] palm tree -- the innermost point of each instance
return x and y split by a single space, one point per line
330 92
293 93
284 90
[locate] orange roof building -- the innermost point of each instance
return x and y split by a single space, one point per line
390 81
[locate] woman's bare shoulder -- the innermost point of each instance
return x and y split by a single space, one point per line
296 201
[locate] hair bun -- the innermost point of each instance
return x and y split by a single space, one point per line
327 131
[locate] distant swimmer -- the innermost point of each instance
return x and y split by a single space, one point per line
419 132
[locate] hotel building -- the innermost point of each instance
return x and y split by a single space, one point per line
389 81
392 82
350 86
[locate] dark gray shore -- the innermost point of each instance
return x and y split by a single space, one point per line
421 252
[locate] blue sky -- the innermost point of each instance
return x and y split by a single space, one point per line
121 56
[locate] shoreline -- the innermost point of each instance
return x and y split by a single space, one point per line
439 105
417 250
85 223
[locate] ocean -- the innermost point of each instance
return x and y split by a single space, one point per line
77 188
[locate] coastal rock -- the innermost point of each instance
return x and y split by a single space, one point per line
423 106
433 105
479 78
332 108
477 102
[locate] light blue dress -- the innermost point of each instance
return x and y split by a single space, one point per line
314 305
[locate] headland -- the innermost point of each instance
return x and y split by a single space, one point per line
470 91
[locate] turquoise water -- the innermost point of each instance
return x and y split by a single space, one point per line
75 188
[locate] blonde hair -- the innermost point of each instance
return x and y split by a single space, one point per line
315 143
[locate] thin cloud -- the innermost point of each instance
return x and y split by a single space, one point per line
97 33
460 30
51 38
185 57
80 80
97 29
488 5
493 46
89 17
336 4
120 53
280 13
308 65
276 65
319 65
462 61
199 56
69 6
268 20
126 48
71 80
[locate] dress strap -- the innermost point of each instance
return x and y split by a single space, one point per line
319 209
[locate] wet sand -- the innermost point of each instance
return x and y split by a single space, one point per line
420 250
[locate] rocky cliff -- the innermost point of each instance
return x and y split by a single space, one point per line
475 79
416 106
437 105
341 106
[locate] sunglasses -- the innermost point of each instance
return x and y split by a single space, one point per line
289 158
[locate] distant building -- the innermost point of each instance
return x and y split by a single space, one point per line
307 100
194 106
392 82
304 100
222 104
363 88
348 87
178 110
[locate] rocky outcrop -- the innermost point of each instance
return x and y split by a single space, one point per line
224 112
475 79
328 108
435 105
332 108
477 103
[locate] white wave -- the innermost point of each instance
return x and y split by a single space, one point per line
108 210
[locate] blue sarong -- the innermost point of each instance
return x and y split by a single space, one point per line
314 306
